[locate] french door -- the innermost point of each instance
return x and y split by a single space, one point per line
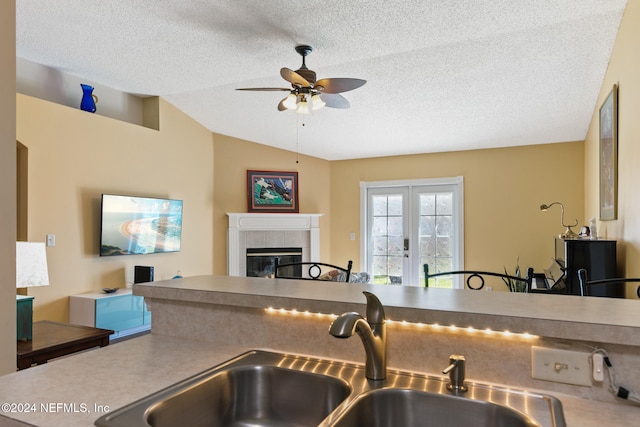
407 224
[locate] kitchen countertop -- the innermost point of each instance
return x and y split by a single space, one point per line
604 320
75 388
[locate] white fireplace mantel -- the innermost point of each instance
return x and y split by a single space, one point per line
240 223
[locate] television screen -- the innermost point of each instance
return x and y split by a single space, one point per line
139 225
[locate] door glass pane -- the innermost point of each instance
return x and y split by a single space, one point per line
444 248
444 203
427 204
379 206
380 245
396 246
395 270
380 225
436 236
395 226
380 271
443 226
428 225
387 238
395 205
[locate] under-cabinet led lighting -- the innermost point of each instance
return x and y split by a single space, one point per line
403 323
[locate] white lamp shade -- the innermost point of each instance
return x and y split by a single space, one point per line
317 102
31 265
290 101
303 108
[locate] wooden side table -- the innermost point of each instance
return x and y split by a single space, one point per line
54 339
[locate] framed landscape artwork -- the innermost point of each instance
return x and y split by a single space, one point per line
609 156
272 191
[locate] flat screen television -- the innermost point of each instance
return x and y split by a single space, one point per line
139 225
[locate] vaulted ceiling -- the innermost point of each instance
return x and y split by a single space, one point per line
441 75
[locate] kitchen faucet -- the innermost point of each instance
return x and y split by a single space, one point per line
372 332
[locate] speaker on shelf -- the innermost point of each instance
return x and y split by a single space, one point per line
142 274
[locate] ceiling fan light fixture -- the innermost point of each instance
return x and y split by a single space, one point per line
303 107
317 102
291 101
306 93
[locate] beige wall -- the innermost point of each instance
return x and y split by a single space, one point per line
234 157
624 70
74 157
503 190
7 185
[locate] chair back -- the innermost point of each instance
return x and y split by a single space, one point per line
312 271
475 280
586 285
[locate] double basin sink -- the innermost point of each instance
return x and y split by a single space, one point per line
260 388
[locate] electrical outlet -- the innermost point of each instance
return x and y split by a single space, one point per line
352 236
51 240
562 366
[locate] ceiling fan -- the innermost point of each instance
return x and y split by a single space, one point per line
306 92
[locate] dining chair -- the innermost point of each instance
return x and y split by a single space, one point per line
312 271
475 280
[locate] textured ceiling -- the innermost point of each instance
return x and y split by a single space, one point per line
441 75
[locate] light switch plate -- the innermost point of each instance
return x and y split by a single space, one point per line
562 366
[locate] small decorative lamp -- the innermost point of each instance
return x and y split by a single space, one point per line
31 270
568 232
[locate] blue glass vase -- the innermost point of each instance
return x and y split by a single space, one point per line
89 100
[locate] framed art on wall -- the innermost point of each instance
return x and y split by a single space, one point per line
608 150
270 191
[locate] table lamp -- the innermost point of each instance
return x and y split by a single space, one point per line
568 232
31 270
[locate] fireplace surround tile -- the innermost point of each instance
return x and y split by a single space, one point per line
251 230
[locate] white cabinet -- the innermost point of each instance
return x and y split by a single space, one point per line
120 311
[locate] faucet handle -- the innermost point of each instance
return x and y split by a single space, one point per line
456 371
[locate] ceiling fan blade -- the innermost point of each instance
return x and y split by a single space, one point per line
333 100
281 106
293 77
338 85
265 89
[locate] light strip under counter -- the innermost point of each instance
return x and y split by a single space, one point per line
435 327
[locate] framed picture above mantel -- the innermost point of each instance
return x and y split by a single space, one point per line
272 191
608 149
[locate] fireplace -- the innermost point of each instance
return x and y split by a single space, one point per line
261 261
272 231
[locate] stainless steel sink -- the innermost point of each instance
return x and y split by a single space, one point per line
250 391
409 408
252 395
261 388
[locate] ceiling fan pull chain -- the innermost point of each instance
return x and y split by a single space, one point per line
297 140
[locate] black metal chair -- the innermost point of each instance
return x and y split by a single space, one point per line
475 280
313 270
586 285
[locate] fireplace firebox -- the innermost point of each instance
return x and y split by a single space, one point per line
261 261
